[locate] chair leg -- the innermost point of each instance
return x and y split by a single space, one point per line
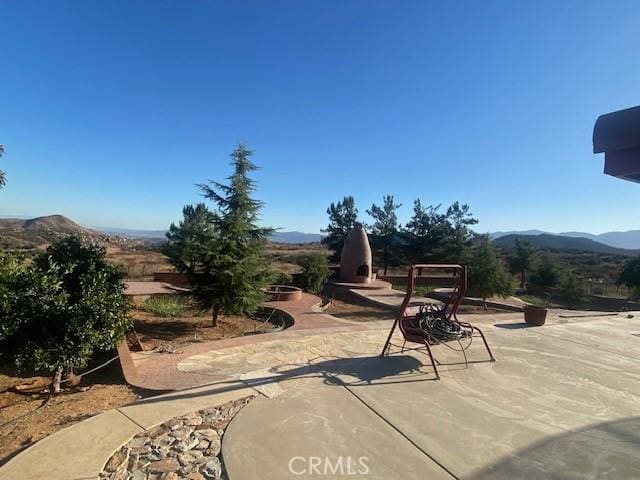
433 362
493 359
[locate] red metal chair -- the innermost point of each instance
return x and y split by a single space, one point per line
414 320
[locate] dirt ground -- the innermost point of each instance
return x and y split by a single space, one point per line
154 331
139 264
359 312
30 415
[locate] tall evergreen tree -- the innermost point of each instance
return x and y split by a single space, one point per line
384 230
459 219
186 241
521 259
232 267
425 234
342 219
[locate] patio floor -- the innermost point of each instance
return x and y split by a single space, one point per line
562 401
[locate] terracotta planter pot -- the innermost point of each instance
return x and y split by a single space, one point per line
535 315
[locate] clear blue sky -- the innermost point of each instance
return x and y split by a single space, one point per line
111 111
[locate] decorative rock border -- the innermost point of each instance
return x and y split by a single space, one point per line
183 447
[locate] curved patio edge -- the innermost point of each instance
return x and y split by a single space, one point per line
159 372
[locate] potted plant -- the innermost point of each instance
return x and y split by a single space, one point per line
535 315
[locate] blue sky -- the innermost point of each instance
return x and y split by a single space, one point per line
110 112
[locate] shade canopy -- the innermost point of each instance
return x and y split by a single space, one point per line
617 135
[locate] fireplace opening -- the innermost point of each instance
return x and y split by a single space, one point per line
363 271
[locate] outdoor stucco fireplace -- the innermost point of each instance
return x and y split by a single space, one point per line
355 261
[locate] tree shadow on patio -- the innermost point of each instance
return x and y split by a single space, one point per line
603 450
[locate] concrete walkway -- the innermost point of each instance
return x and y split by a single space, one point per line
562 401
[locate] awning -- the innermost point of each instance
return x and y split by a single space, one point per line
617 135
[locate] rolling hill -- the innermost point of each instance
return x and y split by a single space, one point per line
17 233
559 242
628 240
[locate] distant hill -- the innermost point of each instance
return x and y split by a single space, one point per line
18 233
295 237
132 233
51 223
494 235
564 243
629 239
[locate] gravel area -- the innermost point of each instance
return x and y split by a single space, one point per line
183 447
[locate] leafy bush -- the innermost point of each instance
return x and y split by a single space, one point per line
283 278
571 291
60 309
315 271
487 275
546 272
166 306
630 276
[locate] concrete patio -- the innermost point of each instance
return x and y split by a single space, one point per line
562 401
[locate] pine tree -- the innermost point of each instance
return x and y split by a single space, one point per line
459 218
384 230
487 275
522 258
425 235
342 219
233 268
186 241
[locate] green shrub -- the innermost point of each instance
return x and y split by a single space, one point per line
630 276
571 291
166 306
60 309
283 278
487 275
315 271
546 272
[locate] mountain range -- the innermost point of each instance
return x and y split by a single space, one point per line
628 240
618 242
559 242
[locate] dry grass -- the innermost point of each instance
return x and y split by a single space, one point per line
139 264
30 415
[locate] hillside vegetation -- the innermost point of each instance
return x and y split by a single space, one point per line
563 243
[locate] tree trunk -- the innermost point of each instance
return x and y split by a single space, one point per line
522 279
385 258
484 304
55 382
215 312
